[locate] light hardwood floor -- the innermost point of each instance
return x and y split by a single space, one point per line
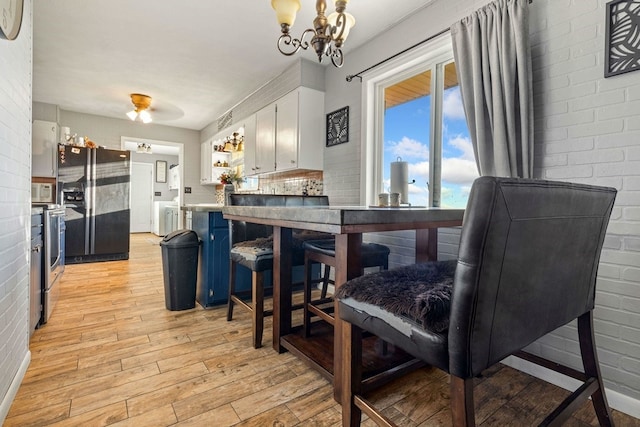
112 354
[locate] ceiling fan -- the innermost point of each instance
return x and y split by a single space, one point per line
142 104
143 110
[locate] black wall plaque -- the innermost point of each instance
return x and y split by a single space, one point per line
622 37
338 127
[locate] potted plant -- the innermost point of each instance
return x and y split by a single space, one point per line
230 177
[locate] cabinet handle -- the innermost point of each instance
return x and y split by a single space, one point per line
212 237
293 162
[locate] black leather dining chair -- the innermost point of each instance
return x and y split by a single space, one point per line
527 264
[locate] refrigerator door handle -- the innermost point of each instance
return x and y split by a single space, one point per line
92 205
88 196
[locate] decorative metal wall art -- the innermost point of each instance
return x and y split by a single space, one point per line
622 37
338 127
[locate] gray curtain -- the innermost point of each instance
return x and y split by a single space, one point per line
493 64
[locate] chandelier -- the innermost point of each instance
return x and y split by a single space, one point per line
142 103
327 35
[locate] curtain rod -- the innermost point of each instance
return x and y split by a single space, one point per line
350 77
358 74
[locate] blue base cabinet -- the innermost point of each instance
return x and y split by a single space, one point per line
213 261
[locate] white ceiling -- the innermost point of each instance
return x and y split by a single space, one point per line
195 58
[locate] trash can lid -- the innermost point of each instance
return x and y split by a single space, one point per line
181 239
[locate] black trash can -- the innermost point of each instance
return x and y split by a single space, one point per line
180 268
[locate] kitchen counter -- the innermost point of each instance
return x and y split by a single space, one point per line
202 207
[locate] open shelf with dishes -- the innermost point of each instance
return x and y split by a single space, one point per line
220 154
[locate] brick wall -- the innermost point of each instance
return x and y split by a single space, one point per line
15 220
587 130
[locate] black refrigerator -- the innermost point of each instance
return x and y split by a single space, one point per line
93 186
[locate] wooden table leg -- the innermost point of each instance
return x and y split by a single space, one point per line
282 239
426 245
348 266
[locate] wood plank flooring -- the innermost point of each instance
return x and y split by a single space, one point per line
112 354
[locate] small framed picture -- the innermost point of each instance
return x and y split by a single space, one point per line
338 127
161 171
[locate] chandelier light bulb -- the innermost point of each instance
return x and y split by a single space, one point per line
348 23
286 11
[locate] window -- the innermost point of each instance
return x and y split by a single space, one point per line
416 116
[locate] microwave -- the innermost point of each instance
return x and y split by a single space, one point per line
42 192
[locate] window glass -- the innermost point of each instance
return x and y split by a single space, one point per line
459 168
406 133
412 133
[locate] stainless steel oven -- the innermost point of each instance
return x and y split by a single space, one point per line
54 228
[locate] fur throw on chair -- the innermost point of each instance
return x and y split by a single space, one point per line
420 292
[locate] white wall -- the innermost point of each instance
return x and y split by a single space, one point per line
15 219
587 130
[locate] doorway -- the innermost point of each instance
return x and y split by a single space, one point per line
158 150
141 197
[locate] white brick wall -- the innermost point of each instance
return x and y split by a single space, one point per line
587 130
15 220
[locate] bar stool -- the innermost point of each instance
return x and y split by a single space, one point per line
324 252
251 246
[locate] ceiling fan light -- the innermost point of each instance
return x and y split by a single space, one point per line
141 102
145 116
286 10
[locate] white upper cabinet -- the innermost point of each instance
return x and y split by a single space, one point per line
265 153
205 162
44 160
249 144
290 133
287 130
300 130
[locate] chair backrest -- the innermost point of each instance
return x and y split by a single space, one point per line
527 264
240 231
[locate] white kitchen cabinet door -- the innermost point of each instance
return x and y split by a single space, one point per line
287 132
300 130
311 130
44 138
249 144
206 162
265 156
